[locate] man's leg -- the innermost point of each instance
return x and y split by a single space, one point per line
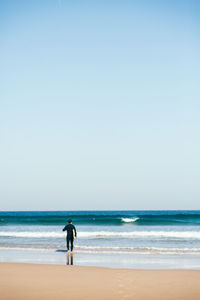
72 244
67 244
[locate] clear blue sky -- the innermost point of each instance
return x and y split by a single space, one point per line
99 104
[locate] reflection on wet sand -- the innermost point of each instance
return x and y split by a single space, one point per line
70 259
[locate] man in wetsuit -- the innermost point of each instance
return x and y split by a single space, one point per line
71 232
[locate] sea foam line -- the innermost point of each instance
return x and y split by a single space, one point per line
114 250
106 234
155 249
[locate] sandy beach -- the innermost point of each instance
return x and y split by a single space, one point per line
32 281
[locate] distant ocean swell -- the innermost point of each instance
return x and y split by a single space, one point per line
36 218
105 234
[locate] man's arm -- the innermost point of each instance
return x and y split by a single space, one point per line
65 228
75 230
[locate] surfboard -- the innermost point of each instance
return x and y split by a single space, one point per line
74 235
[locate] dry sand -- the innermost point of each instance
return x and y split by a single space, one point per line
31 281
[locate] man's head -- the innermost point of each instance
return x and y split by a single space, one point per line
70 221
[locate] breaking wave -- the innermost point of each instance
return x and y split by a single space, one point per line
129 220
107 234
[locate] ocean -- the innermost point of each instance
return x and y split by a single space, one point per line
128 239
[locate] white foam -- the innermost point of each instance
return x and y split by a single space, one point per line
136 248
106 234
143 234
129 220
139 250
32 234
115 250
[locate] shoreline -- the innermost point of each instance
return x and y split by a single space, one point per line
45 281
96 267
114 261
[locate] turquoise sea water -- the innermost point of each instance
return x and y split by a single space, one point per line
142 239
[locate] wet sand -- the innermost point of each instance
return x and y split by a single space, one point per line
31 281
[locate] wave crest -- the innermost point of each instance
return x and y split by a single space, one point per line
129 220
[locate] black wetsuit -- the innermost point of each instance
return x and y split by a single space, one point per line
70 236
